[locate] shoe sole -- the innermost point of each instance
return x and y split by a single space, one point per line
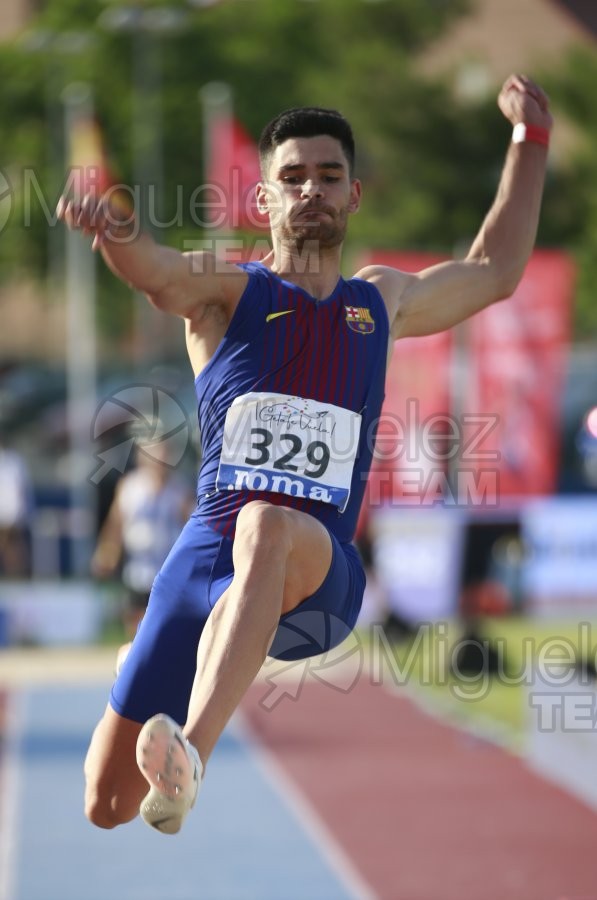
173 775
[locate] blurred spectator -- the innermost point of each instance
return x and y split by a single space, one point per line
586 442
16 504
150 506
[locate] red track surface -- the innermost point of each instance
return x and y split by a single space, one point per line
424 811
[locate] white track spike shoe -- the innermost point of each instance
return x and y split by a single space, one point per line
173 769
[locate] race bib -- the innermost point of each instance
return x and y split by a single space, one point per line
303 448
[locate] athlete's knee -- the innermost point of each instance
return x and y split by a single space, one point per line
98 808
98 813
263 526
107 809
114 786
105 806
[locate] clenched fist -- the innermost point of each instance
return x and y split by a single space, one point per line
521 100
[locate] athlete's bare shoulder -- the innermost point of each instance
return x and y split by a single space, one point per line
391 284
207 321
213 281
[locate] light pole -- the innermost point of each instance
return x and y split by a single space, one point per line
64 107
146 26
81 355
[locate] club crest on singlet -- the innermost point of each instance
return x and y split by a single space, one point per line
290 445
359 319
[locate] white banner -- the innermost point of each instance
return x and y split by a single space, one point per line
560 536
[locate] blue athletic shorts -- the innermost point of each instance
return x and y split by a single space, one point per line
157 675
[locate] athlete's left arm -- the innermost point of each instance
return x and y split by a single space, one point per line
444 295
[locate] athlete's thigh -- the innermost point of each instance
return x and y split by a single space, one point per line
271 530
309 560
327 617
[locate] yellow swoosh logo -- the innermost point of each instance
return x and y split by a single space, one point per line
275 315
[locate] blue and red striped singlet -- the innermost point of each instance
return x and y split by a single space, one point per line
291 355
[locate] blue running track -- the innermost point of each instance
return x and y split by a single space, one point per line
243 840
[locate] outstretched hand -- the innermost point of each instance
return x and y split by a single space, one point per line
521 100
97 216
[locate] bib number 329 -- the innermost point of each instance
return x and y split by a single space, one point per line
317 453
289 445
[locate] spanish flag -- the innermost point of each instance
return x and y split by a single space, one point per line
89 169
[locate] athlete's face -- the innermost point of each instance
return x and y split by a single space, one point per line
309 192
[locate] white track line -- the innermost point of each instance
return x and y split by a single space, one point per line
303 811
9 798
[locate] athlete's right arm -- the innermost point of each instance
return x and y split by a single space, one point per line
179 283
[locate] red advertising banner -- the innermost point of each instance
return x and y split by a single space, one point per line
487 428
510 404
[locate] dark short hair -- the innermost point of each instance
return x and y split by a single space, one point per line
306 121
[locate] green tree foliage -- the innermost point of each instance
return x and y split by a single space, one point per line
572 214
429 166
